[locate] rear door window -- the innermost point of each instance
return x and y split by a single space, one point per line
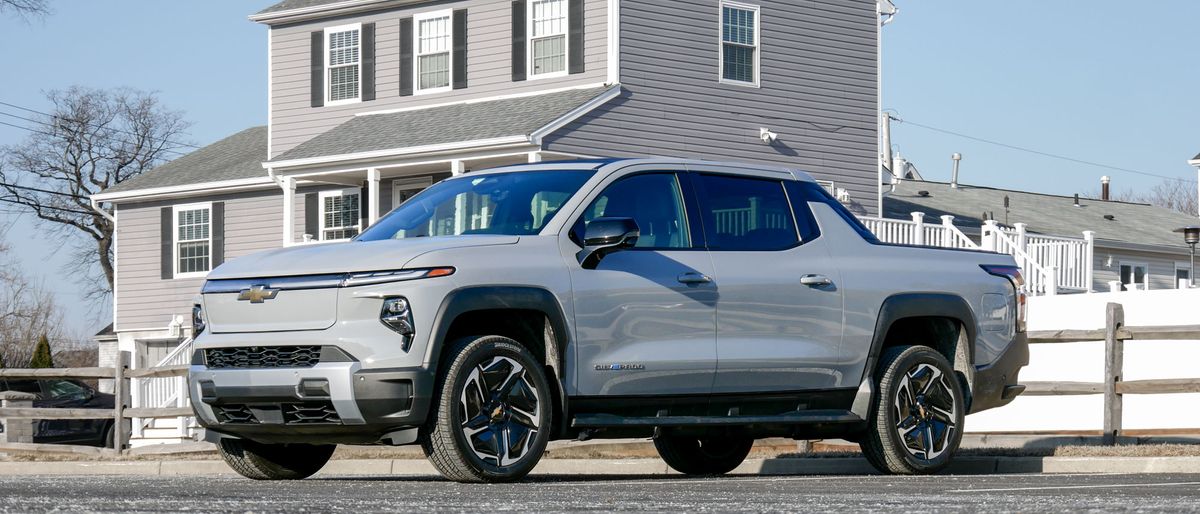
745 213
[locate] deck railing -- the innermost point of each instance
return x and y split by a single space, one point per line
164 392
917 232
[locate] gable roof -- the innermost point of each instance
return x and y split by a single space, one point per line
288 5
1133 223
516 118
236 157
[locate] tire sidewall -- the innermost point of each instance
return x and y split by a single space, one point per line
896 370
474 354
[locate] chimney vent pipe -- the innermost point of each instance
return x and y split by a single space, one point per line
956 157
1104 187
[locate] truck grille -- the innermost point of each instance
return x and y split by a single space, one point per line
309 413
263 357
290 413
235 414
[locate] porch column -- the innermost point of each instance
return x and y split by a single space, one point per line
1088 264
373 194
918 237
456 167
288 184
535 157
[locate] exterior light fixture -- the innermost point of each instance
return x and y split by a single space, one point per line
1191 236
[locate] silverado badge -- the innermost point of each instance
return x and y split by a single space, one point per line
257 294
619 367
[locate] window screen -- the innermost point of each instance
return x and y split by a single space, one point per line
343 65
739 43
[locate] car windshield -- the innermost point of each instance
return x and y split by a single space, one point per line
517 203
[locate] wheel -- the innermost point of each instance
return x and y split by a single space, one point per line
109 435
705 455
916 418
491 413
274 461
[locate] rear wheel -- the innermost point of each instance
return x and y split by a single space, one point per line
274 461
917 413
703 455
492 414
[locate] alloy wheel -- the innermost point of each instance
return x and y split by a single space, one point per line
925 411
499 409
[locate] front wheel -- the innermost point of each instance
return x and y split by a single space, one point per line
916 418
261 461
703 455
492 413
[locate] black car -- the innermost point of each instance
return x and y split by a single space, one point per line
64 393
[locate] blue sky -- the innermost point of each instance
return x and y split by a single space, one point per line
1104 81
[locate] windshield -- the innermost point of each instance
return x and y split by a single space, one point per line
518 203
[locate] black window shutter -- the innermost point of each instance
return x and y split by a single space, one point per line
460 49
518 41
368 61
312 215
167 242
317 75
217 216
406 57
364 206
575 36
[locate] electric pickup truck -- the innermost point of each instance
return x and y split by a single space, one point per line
700 304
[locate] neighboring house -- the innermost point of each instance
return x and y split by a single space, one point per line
371 101
1134 243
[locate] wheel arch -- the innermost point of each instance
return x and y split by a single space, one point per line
944 320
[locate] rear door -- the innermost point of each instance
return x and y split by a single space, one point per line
779 311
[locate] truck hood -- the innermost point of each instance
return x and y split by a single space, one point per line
318 259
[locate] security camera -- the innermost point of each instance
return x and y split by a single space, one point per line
767 136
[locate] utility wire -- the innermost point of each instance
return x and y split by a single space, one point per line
46 191
1037 152
88 124
40 122
50 207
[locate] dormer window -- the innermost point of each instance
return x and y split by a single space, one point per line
434 35
343 70
548 38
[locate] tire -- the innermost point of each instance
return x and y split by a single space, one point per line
916 417
107 439
261 461
705 455
492 413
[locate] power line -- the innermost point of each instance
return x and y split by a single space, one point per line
50 207
88 124
1037 152
40 122
46 191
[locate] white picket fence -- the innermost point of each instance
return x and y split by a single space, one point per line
1050 264
162 392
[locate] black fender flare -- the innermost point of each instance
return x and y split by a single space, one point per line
480 298
919 305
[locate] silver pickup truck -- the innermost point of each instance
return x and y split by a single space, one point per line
701 304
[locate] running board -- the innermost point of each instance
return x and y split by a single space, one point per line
811 417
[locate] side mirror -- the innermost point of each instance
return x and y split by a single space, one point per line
604 236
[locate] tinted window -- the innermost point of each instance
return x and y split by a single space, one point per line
805 220
815 193
65 390
653 200
742 213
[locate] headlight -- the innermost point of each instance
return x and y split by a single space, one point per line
397 316
197 320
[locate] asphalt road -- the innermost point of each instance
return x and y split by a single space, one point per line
1024 493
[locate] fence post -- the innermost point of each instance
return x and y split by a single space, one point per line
17 430
918 228
948 229
1022 241
988 239
1088 262
1052 280
1114 357
120 396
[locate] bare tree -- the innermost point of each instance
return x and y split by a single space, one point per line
27 311
92 140
26 9
1177 195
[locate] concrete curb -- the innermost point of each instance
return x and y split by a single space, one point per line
628 467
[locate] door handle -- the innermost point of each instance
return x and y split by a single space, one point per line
815 280
693 277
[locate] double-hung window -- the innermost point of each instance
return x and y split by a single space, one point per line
1135 276
339 214
343 70
434 36
739 43
193 239
548 37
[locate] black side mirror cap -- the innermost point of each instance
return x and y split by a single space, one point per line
604 236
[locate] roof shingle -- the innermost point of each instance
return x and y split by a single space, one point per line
287 5
239 156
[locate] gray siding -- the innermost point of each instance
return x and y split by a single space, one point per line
1161 267
143 299
818 91
489 73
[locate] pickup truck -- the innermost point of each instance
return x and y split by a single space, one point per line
701 304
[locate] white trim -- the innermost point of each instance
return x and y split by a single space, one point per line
573 114
569 155
322 11
321 228
510 96
416 60
395 152
344 28
373 196
757 43
175 209
614 41
497 153
117 266
529 37
270 87
236 184
1132 274
408 184
287 186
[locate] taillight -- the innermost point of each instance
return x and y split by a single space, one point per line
1013 274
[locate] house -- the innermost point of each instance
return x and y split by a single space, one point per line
371 101
1134 244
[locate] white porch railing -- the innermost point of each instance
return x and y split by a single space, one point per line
1071 258
164 392
1039 279
917 232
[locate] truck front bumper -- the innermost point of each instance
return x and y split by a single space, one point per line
997 384
336 402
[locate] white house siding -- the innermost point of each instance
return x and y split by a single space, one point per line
1161 266
143 299
818 91
489 66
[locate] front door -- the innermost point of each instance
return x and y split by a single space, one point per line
779 315
645 316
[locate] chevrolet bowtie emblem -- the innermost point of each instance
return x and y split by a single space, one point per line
257 294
